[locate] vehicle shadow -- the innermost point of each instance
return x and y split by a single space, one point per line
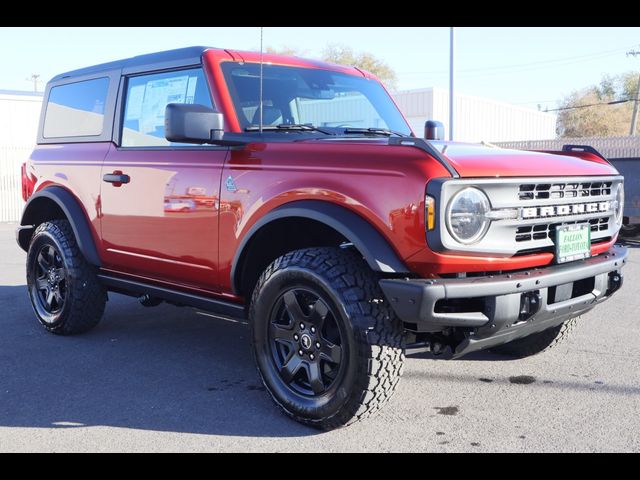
163 369
483 355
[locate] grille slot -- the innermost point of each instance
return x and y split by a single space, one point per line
543 191
547 230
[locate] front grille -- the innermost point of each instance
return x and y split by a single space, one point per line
547 230
530 209
540 191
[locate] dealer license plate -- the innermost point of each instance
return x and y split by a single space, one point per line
573 242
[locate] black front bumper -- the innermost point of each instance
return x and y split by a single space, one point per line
496 309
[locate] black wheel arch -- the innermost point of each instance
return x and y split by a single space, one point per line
53 203
376 250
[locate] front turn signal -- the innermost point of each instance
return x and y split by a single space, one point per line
430 212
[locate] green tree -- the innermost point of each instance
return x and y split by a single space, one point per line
345 55
599 120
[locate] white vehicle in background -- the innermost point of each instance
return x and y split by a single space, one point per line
179 205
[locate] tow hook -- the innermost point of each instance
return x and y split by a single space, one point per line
530 303
615 282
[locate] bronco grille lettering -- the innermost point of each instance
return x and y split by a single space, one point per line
561 210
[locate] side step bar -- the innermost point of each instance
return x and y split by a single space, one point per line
131 287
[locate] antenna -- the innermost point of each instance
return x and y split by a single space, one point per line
260 106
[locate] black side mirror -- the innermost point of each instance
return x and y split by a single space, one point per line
192 123
433 130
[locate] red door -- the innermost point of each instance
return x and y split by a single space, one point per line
159 201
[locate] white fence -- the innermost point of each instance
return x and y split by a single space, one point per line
19 114
11 203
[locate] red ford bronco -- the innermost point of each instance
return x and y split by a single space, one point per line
293 193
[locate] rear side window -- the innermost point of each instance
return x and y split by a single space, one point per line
146 99
76 109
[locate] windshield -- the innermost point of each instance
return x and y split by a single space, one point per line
320 98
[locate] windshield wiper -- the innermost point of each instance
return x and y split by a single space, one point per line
305 127
374 131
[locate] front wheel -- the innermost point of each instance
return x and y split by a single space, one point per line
327 345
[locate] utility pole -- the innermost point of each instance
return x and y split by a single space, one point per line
634 117
451 95
34 78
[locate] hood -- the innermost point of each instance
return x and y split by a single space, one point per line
474 160
477 160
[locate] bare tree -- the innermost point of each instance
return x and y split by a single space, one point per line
601 118
285 50
345 55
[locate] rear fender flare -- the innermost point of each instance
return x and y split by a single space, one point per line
74 213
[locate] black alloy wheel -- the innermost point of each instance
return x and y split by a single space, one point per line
306 342
50 286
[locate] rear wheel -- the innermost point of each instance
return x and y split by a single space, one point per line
327 346
64 289
538 342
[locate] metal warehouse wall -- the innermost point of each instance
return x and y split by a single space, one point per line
19 115
610 147
476 119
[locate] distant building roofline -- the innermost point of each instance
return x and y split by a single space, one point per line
23 93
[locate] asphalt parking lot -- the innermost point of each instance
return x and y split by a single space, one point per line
171 379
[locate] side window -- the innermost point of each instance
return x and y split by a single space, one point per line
146 99
76 109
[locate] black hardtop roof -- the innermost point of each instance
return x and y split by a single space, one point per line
188 54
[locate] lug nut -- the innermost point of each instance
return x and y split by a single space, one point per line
313 329
295 336
317 344
302 326
300 352
312 356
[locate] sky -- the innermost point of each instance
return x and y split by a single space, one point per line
520 65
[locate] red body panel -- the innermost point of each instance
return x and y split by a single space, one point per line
383 184
158 225
76 167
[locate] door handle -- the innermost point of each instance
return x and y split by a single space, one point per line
116 178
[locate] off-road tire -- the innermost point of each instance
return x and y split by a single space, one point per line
537 342
375 356
630 231
85 296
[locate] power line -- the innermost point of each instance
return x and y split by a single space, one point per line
614 102
544 63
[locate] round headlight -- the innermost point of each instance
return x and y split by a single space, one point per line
618 206
466 220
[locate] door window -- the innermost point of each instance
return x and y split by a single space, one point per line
146 99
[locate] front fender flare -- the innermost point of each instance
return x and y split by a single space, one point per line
375 249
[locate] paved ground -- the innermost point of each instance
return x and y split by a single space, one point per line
170 379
